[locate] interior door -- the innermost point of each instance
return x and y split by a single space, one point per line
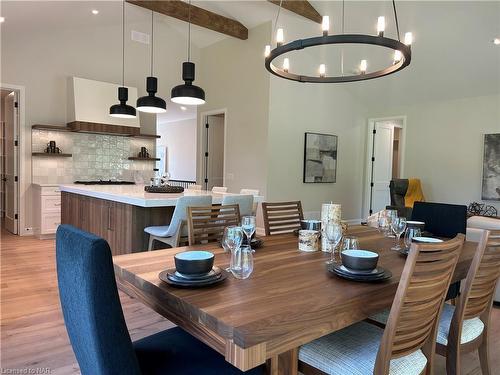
381 165
214 152
11 164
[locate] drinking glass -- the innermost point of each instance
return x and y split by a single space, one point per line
391 215
350 243
248 225
410 233
242 262
333 233
398 226
232 239
383 223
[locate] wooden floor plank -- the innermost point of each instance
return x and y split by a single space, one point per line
32 329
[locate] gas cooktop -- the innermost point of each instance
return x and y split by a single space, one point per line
105 182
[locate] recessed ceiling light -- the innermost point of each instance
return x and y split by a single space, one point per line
95 11
183 108
2 19
496 41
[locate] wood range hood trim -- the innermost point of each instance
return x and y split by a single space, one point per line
96 128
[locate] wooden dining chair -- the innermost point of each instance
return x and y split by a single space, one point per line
207 223
407 344
464 328
282 217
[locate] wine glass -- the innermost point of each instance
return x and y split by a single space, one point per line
350 243
410 233
398 226
232 239
248 225
333 233
242 262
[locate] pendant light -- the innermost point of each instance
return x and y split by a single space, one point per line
151 103
188 94
122 110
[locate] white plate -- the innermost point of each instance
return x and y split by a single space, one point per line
426 239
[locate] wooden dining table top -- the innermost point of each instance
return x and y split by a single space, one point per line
289 300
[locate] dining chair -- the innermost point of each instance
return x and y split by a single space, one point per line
171 234
255 193
244 202
193 187
282 217
407 344
96 326
219 189
464 328
207 223
442 220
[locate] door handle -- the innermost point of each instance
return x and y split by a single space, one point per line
109 218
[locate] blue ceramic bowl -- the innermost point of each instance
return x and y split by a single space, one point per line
194 262
361 260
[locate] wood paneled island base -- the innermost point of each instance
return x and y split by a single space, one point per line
289 300
121 224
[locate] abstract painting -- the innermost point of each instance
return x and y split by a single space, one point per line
320 158
491 167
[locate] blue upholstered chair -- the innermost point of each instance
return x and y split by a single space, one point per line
244 202
170 234
96 326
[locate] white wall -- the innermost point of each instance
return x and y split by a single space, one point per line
444 145
43 59
179 137
233 76
297 108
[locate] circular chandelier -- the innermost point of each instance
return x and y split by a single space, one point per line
402 52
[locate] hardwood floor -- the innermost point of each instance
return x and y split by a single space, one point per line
32 329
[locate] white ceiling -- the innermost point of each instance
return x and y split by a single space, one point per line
453 53
175 112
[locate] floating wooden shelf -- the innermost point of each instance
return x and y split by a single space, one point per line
90 130
138 158
52 154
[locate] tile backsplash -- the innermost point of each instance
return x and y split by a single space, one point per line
95 157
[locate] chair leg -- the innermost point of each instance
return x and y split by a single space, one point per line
453 362
484 357
150 245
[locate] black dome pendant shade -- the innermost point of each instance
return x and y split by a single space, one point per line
151 103
122 110
188 94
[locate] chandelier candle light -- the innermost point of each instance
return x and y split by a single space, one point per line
402 52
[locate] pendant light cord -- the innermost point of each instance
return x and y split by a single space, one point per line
189 32
342 49
396 18
123 43
152 40
277 17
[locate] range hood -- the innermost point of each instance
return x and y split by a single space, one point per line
88 108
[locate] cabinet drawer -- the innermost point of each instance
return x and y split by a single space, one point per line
50 190
50 222
51 204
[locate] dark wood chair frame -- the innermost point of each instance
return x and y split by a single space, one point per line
206 224
282 217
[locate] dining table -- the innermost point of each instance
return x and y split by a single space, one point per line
290 299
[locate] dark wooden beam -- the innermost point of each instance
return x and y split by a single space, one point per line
200 17
301 7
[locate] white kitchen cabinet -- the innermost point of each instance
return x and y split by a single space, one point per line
47 210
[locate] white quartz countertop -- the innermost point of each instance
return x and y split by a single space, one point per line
135 194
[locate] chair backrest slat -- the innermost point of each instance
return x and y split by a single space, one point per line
206 224
412 323
282 217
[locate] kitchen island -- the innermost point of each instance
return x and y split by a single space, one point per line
119 213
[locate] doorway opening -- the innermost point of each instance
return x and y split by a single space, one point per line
9 160
214 149
385 161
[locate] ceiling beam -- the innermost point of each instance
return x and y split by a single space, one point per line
200 17
301 7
